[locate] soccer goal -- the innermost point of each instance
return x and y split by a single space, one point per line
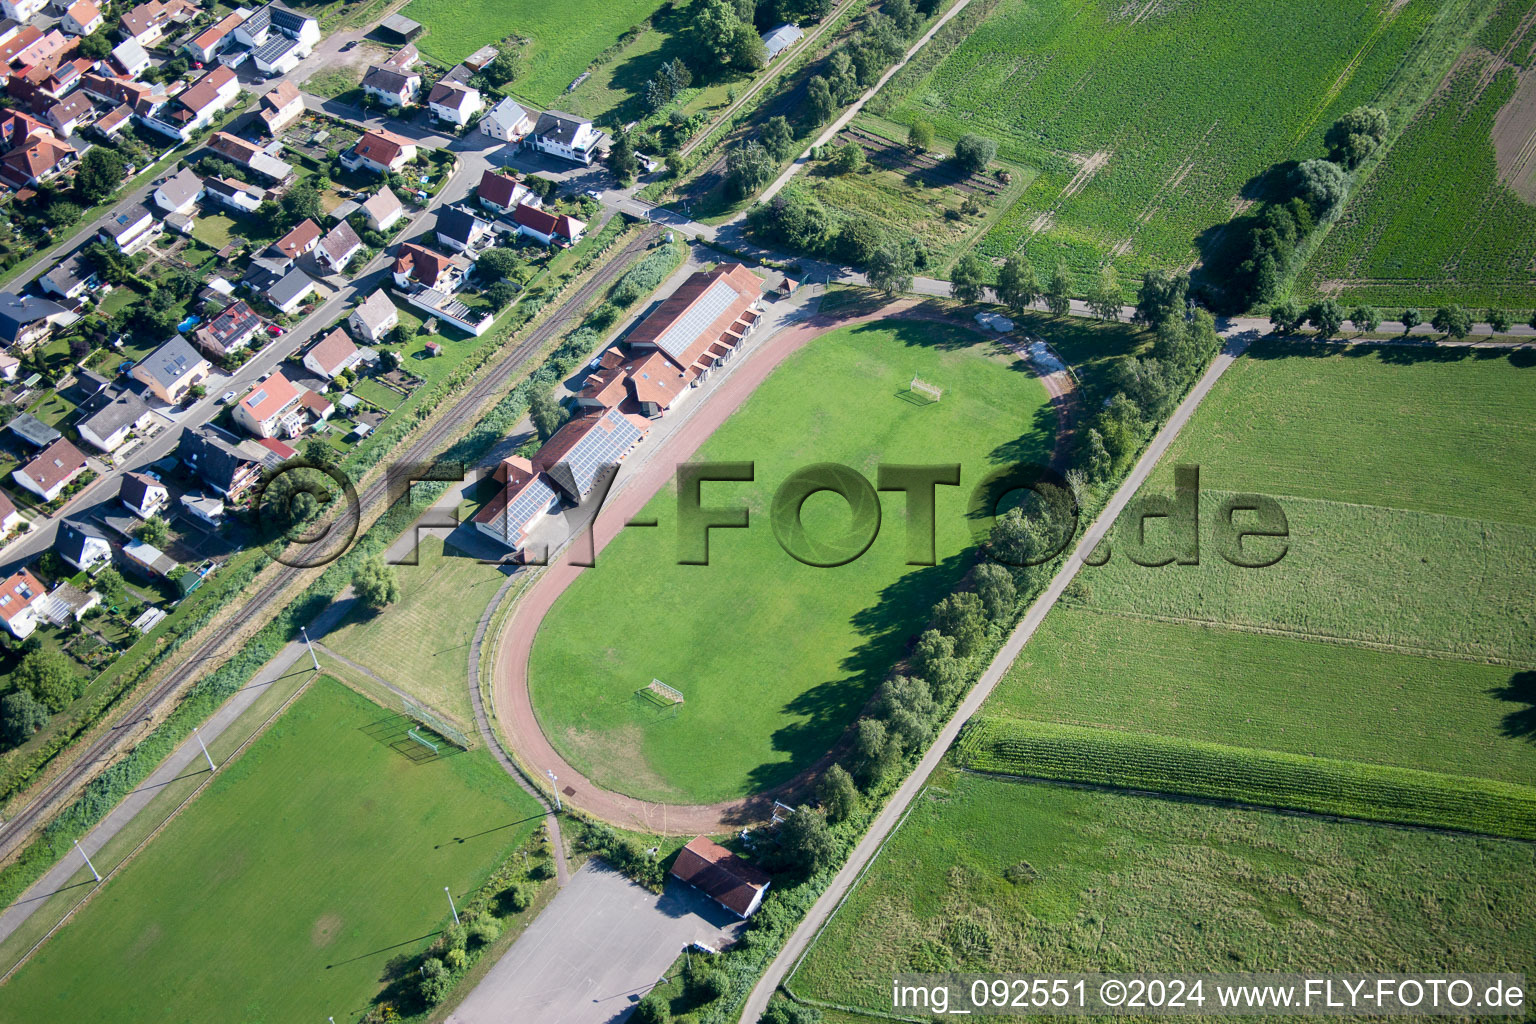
660 693
425 716
932 392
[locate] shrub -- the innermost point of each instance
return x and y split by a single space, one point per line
485 930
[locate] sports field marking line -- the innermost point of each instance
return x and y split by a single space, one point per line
175 812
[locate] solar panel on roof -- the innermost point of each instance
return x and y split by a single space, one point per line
603 445
674 341
536 497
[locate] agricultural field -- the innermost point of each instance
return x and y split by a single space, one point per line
1395 630
421 642
1151 122
562 39
1450 215
992 875
286 889
775 657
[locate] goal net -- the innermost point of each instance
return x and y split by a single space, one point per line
932 392
435 722
661 693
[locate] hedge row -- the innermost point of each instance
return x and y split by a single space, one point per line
1271 778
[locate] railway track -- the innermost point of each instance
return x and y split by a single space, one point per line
18 829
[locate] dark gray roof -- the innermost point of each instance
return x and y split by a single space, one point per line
70 271
288 21
292 284
217 457
125 218
136 487
558 127
108 413
72 537
385 80
260 18
171 361
456 224
33 430
18 311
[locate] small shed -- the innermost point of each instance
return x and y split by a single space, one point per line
779 39
721 875
402 28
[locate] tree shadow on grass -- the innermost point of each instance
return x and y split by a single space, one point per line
1521 689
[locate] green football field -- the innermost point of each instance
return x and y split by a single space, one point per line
774 657
991 875
283 892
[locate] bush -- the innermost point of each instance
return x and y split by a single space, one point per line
485 930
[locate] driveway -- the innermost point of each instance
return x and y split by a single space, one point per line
600 945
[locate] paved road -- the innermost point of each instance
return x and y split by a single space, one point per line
600 945
757 1002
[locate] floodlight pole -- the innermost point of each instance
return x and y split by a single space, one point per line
200 743
451 906
552 785
305 634
88 863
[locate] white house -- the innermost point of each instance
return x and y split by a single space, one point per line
20 593
507 121
460 230
22 11
143 495
273 409
374 317
130 58
233 195
82 545
180 192
111 417
332 355
290 291
54 468
392 87
130 228
81 18
454 102
566 136
547 228
379 151
338 247
501 192
383 209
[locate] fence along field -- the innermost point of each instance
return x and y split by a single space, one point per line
1440 221
1150 118
993 875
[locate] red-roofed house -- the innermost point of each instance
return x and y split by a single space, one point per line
52 471
525 498
332 355
547 228
380 151
418 264
722 876
146 24
501 193
19 594
208 43
32 152
280 106
272 409
299 241
81 18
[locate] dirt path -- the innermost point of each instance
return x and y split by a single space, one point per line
512 700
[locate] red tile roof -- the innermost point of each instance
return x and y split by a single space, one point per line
497 188
300 240
723 876
381 147
54 464
546 223
277 447
17 592
272 396
420 263
203 92
676 306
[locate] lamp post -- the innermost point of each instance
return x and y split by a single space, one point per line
87 860
205 748
552 785
451 906
305 634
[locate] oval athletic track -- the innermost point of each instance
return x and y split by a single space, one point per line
512 701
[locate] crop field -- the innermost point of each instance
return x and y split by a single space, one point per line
562 39
1150 120
1396 629
286 889
421 642
776 657
1450 215
1138 761
991 875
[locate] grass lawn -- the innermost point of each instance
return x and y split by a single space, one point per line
313 861
215 229
1119 883
376 393
563 39
1142 116
421 643
776 657
1274 693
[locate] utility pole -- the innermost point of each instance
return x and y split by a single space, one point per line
305 634
451 906
88 862
552 785
205 748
